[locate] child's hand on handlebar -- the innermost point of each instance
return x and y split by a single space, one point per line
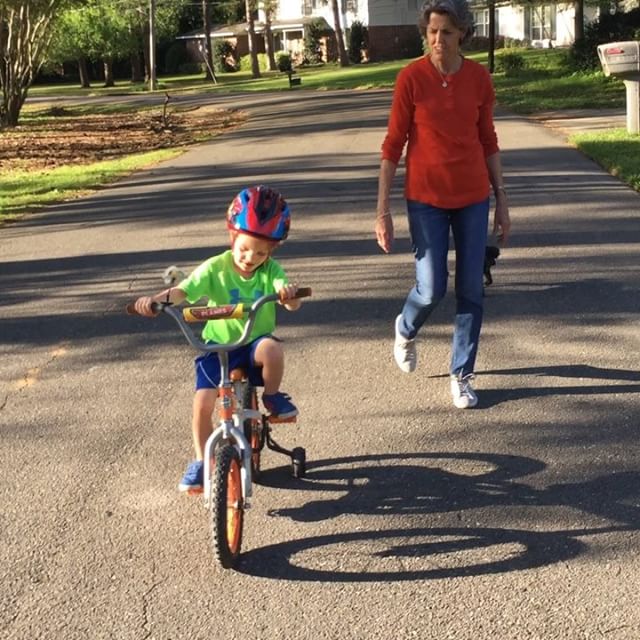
288 297
143 306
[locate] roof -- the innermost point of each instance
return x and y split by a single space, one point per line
240 28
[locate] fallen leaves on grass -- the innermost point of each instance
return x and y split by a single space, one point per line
58 137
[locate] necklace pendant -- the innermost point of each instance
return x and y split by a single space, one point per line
444 84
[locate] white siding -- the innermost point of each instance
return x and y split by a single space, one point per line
512 23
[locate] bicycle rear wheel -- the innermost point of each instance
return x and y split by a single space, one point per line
253 430
227 506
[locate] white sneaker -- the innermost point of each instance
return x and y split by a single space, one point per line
464 397
404 351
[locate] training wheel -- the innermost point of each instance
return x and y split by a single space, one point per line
298 462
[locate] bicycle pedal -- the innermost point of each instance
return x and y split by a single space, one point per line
277 420
195 492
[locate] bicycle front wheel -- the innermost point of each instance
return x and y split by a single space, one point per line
227 506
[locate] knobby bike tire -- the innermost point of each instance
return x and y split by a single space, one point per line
227 507
253 430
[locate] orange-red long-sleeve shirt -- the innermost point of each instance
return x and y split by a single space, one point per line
448 131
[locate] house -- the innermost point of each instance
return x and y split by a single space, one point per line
392 25
540 25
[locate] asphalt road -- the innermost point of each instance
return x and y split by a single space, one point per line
517 520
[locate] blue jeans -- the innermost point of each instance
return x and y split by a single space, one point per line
429 227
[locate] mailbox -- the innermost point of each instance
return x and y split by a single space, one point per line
620 59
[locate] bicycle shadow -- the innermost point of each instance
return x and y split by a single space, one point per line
376 486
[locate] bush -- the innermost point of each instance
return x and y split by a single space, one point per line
510 63
176 56
481 43
283 61
224 53
263 62
358 41
191 68
313 34
607 28
514 43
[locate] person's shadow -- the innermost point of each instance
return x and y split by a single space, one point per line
420 487
492 397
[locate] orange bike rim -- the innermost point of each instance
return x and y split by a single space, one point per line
234 506
255 435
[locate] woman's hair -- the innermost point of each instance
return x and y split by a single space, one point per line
457 10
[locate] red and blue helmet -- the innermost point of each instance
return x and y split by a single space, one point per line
260 211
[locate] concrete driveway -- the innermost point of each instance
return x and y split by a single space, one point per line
517 520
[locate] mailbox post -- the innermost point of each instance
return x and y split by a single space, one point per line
622 60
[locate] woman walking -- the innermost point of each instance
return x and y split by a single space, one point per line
442 112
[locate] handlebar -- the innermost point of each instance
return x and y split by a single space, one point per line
186 315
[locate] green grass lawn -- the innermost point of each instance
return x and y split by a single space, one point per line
20 190
543 85
615 150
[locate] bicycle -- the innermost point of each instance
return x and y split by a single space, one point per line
233 450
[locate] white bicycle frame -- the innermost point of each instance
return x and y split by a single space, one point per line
227 428
233 428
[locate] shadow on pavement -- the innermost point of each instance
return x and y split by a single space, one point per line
422 486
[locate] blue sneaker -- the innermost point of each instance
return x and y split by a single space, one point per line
279 405
193 477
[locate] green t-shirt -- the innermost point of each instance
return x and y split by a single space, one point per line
217 280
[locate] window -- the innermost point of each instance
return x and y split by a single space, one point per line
481 23
540 22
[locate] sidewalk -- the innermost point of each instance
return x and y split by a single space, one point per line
572 121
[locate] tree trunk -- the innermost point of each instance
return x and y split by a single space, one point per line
492 36
10 111
145 51
251 33
108 72
83 70
578 23
137 74
207 52
24 38
268 43
342 52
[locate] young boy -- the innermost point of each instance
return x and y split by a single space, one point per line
258 220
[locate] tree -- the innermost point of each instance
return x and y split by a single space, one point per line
578 22
96 31
72 41
269 7
25 34
342 52
492 35
206 44
101 30
251 34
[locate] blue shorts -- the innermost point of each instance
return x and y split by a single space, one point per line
208 366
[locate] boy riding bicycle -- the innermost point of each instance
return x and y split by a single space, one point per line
258 220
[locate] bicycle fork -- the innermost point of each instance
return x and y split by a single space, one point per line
229 430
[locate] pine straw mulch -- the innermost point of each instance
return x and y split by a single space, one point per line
58 136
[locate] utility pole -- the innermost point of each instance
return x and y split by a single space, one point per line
153 85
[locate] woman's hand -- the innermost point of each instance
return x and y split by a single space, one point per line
501 220
384 231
